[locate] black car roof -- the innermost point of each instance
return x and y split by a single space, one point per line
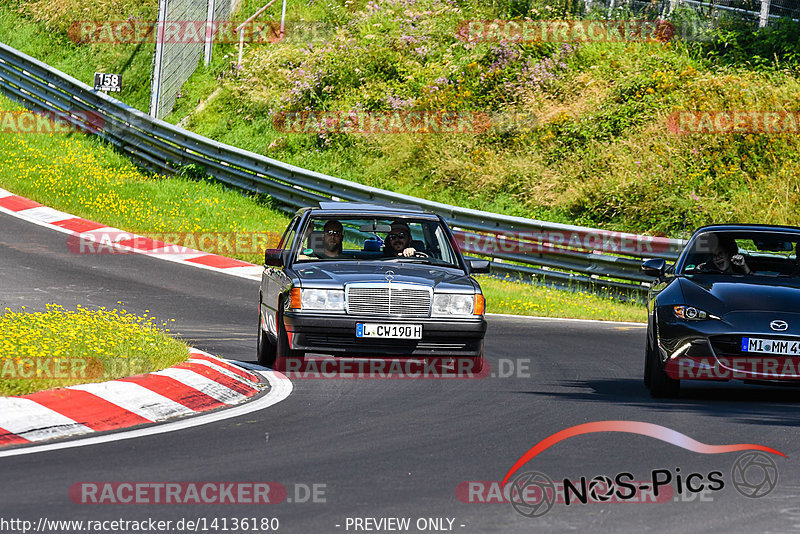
368 206
361 209
745 227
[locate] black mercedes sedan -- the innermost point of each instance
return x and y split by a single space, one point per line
369 281
729 309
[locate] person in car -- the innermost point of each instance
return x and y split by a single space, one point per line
398 241
324 244
725 258
332 235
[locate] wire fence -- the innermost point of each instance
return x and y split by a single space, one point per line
175 60
760 12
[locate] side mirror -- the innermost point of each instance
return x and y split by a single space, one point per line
654 267
273 257
479 266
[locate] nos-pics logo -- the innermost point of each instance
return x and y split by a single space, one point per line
532 493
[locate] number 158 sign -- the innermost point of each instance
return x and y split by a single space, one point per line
107 82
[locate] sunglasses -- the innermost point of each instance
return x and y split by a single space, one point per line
398 235
333 232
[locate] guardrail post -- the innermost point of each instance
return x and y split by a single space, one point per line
158 62
283 18
209 44
763 20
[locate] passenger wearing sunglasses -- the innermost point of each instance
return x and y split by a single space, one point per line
332 234
398 242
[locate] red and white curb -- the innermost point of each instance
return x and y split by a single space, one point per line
200 384
86 231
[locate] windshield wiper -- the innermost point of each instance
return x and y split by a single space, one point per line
412 259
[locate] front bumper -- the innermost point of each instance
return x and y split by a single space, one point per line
711 350
336 334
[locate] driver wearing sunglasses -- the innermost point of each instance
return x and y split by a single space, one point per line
398 241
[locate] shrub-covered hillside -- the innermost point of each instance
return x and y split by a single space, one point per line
595 148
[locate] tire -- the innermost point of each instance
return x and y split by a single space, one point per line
648 355
265 349
661 385
285 357
477 362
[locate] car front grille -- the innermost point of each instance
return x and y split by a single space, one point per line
726 346
389 299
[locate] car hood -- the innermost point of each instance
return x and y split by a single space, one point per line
324 275
723 294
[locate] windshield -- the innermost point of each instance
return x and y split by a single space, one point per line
370 238
752 253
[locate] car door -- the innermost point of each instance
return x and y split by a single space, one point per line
275 281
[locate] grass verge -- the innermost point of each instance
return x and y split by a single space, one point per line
519 298
60 347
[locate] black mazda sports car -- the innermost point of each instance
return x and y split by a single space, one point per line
728 309
365 280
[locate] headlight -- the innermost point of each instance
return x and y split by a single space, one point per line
456 304
318 299
690 313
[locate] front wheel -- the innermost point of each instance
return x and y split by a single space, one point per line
265 349
286 358
477 362
647 365
660 383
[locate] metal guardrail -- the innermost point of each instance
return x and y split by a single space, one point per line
560 254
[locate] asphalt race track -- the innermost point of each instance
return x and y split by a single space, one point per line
356 453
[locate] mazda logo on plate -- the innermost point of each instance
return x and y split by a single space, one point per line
779 326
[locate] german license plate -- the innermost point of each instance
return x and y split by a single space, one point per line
770 346
396 331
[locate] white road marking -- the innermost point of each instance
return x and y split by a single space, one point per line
247 271
48 215
35 422
175 256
